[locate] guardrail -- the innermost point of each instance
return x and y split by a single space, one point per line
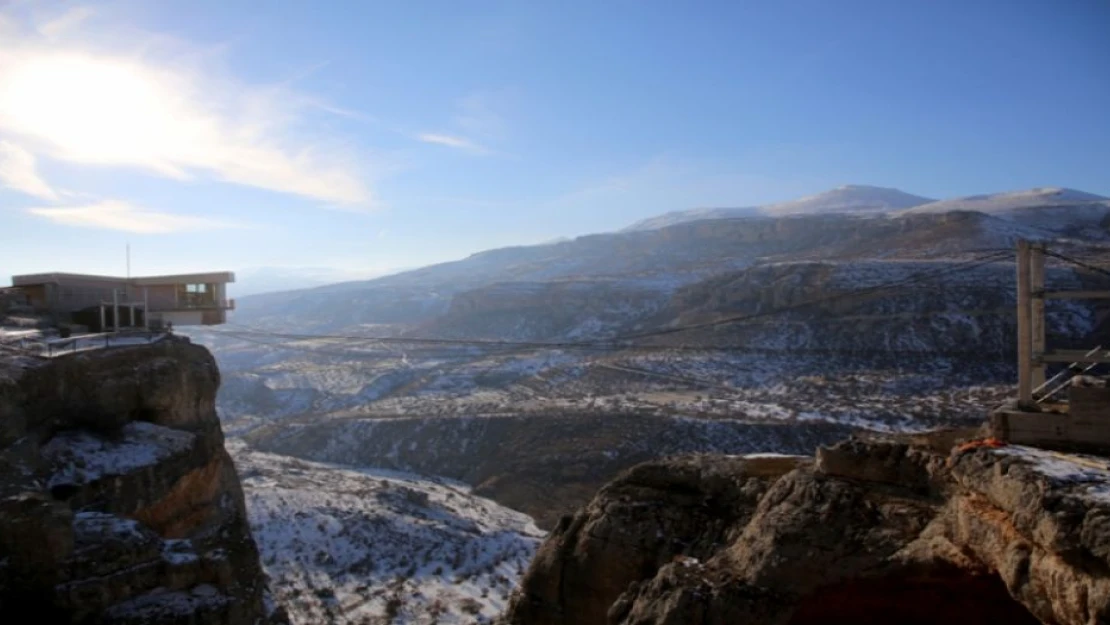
199 304
50 348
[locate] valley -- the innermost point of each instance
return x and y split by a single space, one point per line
529 377
554 313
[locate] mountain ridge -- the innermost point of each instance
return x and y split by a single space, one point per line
860 200
863 199
852 198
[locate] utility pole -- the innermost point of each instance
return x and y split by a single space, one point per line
1036 309
1024 324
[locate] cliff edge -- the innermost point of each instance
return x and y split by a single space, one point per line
901 530
118 502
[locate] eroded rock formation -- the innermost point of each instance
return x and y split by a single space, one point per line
118 502
891 530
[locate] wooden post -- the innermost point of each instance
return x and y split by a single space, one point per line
1036 286
1024 325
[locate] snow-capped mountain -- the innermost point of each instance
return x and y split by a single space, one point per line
1046 212
852 222
1011 201
852 198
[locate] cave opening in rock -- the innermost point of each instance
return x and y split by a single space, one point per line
946 598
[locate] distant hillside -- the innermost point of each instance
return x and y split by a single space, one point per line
846 199
618 277
1009 202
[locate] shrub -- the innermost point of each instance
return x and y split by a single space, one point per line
470 606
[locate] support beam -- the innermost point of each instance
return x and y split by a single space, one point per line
115 310
1075 355
1024 325
1037 329
1077 295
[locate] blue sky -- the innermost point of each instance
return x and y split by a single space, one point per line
369 136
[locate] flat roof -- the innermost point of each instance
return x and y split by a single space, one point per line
182 278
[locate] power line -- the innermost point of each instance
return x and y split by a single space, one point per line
1077 262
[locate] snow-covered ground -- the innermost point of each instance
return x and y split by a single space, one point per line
80 457
342 545
1088 476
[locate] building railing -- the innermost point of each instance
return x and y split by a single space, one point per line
197 304
51 347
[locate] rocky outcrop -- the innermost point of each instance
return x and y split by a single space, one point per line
886 530
118 502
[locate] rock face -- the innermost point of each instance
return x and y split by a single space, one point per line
893 530
118 502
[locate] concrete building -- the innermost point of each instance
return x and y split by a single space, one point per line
104 302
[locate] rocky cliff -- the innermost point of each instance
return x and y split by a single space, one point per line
892 530
118 501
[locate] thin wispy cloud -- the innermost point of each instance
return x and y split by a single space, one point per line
126 217
452 141
167 108
478 124
18 171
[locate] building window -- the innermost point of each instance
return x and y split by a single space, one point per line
196 295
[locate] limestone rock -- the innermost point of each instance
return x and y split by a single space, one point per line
118 502
637 524
911 529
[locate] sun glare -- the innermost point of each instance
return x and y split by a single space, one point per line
94 110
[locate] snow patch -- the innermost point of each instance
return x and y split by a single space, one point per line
79 457
344 545
1090 474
